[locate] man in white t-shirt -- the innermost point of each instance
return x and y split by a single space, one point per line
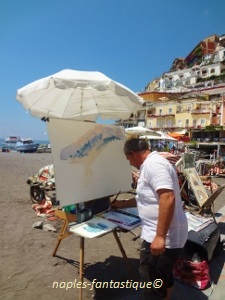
164 224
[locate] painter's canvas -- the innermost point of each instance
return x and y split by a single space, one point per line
88 159
188 160
196 186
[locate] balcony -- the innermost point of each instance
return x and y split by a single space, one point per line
183 111
200 112
160 115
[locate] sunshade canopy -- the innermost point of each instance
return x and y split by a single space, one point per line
79 95
179 137
140 130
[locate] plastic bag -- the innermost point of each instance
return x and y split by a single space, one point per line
194 273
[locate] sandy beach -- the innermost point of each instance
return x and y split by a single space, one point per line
28 269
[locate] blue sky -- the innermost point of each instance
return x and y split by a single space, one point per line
130 41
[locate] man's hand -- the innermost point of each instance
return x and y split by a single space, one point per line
158 245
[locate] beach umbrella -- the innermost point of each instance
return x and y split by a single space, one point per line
179 136
140 130
160 136
167 137
79 95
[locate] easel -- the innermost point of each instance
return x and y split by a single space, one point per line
66 218
64 232
81 264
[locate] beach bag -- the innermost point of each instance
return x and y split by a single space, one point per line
193 273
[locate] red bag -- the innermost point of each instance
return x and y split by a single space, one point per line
194 273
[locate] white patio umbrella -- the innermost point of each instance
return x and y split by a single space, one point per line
153 137
79 95
140 130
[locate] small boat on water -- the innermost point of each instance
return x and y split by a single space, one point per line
10 143
26 145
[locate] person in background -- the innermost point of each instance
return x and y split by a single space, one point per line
164 223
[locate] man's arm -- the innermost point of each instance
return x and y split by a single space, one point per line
166 211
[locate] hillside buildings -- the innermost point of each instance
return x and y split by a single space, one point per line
190 97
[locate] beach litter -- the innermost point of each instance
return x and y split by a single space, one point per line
49 227
44 209
46 227
38 225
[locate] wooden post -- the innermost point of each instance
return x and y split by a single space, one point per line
81 266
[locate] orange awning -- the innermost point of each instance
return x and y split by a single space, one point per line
179 136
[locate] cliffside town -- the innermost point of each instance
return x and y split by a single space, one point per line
190 97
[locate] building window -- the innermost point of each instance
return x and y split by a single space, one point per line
179 109
186 122
203 121
150 124
194 122
204 107
170 111
212 71
204 72
160 111
169 123
179 123
141 114
189 107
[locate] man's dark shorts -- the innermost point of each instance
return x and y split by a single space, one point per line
158 270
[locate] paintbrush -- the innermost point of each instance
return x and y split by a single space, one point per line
117 195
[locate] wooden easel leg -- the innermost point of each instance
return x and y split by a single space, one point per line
81 266
60 237
66 218
56 247
123 252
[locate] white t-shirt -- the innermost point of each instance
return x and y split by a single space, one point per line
157 173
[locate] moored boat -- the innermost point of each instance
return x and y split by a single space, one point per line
10 143
26 145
